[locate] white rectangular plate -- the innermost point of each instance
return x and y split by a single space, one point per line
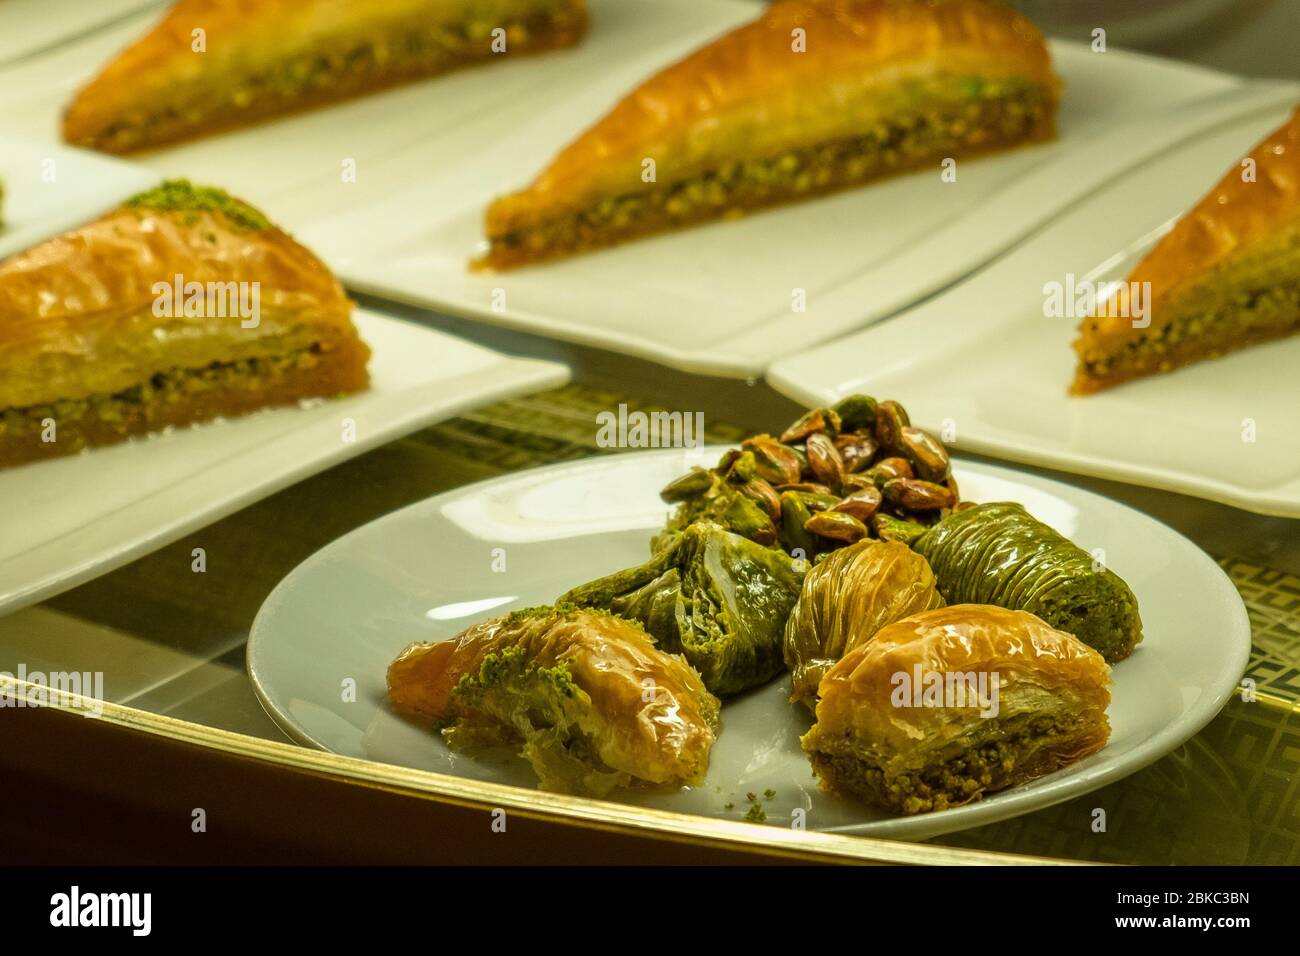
71 519
982 362
49 188
717 299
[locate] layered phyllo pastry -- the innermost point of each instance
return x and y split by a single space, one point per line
715 597
811 97
181 305
998 553
209 65
584 696
1225 277
950 705
846 599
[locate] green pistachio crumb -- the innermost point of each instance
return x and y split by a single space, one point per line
181 194
514 662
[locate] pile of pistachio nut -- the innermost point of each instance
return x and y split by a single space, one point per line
856 470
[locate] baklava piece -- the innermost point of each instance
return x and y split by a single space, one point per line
813 96
716 598
905 722
263 58
846 599
998 553
584 696
1225 277
183 304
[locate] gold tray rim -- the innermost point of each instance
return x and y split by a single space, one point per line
794 845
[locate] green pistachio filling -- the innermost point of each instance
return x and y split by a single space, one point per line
348 64
1252 315
513 663
962 117
715 597
182 195
997 553
513 700
965 770
151 400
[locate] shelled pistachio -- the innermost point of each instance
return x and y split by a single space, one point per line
839 474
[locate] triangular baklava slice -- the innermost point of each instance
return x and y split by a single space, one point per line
1226 276
813 96
181 305
209 65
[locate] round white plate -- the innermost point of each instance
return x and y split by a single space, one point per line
430 570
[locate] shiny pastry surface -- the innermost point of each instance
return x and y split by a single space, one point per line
812 96
1226 276
261 58
998 553
845 600
715 597
583 695
885 734
182 304
828 550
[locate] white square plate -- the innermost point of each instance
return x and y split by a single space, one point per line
983 362
50 188
716 299
71 519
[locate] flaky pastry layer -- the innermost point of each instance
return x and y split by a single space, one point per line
179 397
263 58
85 313
1223 278
1046 708
755 95
182 304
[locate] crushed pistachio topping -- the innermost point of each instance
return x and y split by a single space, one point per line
559 611
514 662
182 195
564 610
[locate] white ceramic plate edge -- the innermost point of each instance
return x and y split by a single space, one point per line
63 22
